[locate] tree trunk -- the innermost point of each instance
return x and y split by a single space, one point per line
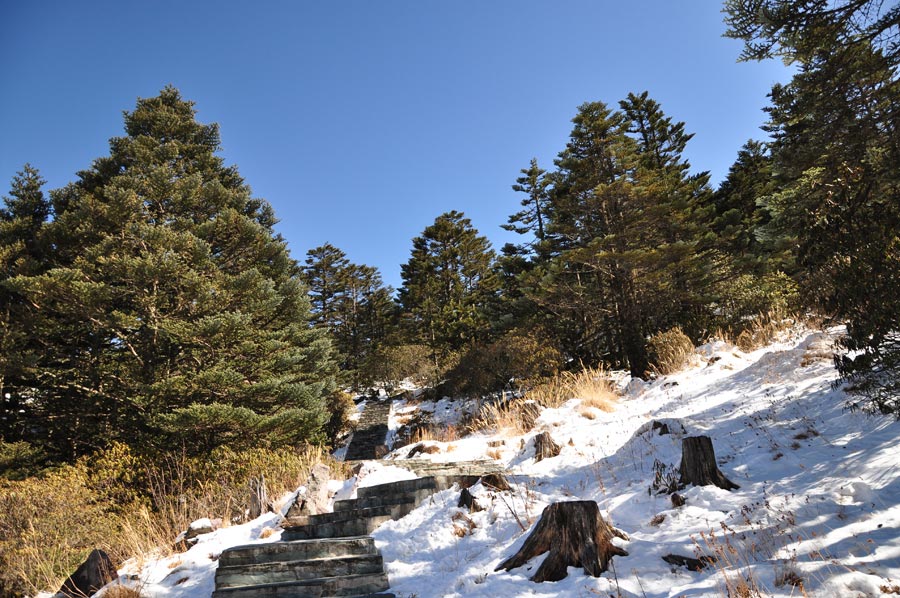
544 447
698 464
576 536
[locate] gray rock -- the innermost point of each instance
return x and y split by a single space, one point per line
94 573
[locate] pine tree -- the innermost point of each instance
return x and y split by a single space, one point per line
449 286
836 152
627 250
352 303
534 184
25 213
171 306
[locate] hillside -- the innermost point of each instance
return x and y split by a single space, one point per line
818 503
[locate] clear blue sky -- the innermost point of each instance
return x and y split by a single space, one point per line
361 121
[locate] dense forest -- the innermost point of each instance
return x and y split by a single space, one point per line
150 302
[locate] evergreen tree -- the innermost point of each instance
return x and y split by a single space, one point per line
836 152
534 184
25 213
741 214
171 306
352 303
627 250
449 286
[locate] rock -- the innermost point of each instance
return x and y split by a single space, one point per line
315 499
690 563
496 481
677 500
94 573
201 526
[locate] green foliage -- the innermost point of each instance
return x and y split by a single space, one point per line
19 460
352 303
746 296
166 296
628 250
514 359
449 287
836 154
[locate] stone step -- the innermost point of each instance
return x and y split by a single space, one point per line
360 526
416 497
395 511
267 573
347 585
433 483
300 550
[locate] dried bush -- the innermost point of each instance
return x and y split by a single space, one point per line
516 356
670 351
591 385
129 505
761 330
394 364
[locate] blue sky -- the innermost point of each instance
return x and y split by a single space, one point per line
361 121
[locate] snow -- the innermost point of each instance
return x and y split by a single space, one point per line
819 496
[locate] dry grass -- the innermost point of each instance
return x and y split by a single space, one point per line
517 416
436 433
670 351
122 591
762 330
128 507
591 385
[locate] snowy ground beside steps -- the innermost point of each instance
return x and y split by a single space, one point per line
819 497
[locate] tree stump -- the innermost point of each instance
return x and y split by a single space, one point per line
544 447
576 535
259 497
698 464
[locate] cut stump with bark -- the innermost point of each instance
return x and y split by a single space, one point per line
698 464
544 447
576 535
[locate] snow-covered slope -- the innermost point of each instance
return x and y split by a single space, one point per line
818 503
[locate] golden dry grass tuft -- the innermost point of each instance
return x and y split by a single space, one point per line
517 416
670 351
762 330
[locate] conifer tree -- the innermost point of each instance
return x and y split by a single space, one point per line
352 303
449 286
836 152
25 213
172 312
533 183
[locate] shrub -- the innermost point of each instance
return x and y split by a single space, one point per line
742 299
394 364
516 356
129 504
670 351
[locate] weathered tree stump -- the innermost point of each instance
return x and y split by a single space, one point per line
576 535
544 447
496 481
698 464
259 497
466 499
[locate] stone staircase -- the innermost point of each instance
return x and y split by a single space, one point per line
368 440
331 554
